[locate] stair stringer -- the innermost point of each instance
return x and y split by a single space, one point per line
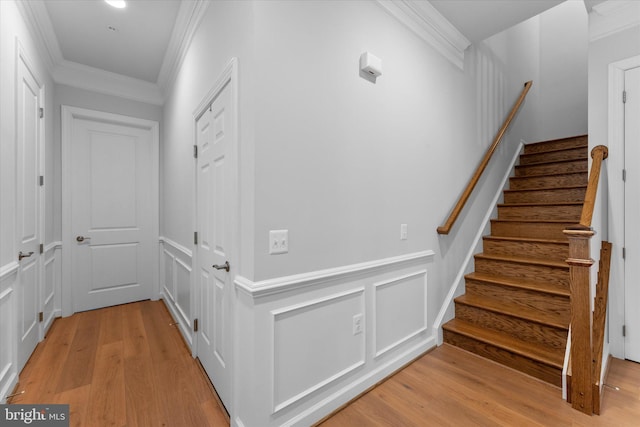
447 310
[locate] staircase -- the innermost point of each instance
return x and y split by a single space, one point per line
516 307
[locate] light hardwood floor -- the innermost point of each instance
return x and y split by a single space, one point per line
451 387
121 366
127 366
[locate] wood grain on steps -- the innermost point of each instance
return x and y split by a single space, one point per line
546 195
557 144
554 155
541 211
548 229
548 180
553 272
527 357
557 250
544 168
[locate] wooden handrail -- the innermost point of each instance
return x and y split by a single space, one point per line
598 154
446 227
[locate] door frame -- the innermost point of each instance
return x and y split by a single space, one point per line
23 57
616 163
68 115
228 77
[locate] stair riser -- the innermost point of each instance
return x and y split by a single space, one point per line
522 329
539 230
550 168
554 156
531 367
556 275
559 144
549 251
549 303
560 195
569 213
548 181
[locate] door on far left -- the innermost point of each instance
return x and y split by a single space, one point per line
28 208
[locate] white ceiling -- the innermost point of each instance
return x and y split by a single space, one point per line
480 19
135 48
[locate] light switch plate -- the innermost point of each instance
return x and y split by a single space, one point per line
278 242
403 231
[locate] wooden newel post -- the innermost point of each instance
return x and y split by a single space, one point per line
581 330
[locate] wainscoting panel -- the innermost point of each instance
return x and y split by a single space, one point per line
400 310
314 344
309 343
52 284
8 338
176 285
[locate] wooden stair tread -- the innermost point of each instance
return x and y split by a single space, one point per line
566 187
555 150
586 164
523 348
513 310
523 260
540 221
547 174
527 239
529 285
538 204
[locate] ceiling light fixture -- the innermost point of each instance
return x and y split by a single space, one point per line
120 4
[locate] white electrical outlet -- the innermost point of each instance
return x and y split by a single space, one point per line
357 324
278 242
403 231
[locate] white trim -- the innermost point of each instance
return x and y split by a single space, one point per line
82 76
189 16
275 313
429 24
177 246
611 17
283 284
8 270
398 343
457 282
615 165
69 114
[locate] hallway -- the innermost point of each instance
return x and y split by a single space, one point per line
122 365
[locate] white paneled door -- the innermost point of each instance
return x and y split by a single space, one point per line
215 139
112 208
28 209
632 213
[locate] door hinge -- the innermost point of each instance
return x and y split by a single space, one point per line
41 180
41 248
624 175
624 330
195 151
195 325
41 317
195 237
624 253
41 111
624 96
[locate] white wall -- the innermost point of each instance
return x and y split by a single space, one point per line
12 31
608 219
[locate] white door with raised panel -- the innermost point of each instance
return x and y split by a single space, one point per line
28 209
215 136
111 205
632 213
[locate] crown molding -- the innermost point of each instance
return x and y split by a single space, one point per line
612 17
85 77
189 16
429 24
96 80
